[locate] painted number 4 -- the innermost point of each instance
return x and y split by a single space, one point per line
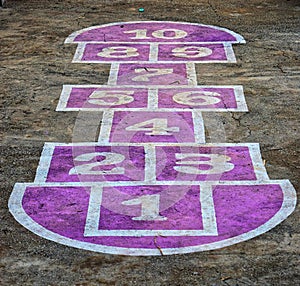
155 126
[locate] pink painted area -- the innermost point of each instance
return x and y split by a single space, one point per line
80 97
122 120
64 159
128 74
167 52
225 95
116 33
179 214
239 209
118 53
239 157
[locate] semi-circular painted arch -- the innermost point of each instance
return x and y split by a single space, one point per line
114 32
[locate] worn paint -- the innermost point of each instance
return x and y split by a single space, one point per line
150 185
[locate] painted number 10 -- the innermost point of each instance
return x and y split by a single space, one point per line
141 34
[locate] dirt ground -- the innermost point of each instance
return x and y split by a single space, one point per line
35 63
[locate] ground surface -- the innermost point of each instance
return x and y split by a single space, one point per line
35 64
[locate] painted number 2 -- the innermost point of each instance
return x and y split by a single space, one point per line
92 168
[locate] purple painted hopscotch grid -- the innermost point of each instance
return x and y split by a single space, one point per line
118 32
204 98
239 209
91 195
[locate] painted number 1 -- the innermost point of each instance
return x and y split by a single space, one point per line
149 207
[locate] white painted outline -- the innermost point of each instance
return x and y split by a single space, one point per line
106 126
16 209
205 203
153 53
191 74
229 53
113 74
79 53
152 98
239 39
150 164
44 164
199 130
254 151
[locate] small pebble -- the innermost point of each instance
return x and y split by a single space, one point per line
141 9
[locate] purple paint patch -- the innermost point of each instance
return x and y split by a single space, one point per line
93 163
143 126
184 214
156 32
204 164
103 97
153 74
239 209
191 52
115 52
203 98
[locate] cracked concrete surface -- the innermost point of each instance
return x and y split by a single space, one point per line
35 64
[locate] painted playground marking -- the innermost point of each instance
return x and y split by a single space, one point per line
149 184
103 97
269 202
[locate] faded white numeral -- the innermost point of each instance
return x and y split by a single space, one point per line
191 52
217 163
149 207
149 73
110 97
118 52
194 98
141 34
89 168
159 126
